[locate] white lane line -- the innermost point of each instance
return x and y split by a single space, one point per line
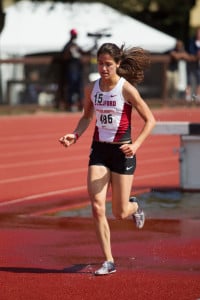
32 137
41 162
31 152
156 160
29 143
65 159
50 174
43 195
44 175
75 189
26 137
37 151
162 174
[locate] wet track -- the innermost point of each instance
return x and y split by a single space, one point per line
48 248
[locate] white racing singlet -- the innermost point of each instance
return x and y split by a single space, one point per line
113 114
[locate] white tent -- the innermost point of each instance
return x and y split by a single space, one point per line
32 27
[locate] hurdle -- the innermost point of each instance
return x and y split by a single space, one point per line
189 151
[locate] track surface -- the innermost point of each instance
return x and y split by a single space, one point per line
47 257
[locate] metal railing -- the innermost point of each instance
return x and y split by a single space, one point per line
40 72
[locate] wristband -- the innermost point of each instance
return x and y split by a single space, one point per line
76 136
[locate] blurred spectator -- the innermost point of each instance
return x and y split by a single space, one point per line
70 85
177 71
193 88
32 90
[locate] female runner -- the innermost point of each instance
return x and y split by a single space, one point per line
112 160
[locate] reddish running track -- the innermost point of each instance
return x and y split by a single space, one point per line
35 167
55 259
47 257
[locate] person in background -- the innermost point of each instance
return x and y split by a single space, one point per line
177 71
73 72
193 87
112 160
70 65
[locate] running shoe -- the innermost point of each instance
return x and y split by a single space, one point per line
138 216
107 267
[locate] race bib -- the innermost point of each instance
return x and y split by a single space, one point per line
106 120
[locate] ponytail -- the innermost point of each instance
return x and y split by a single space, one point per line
133 63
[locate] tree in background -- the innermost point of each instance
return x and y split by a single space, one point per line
171 16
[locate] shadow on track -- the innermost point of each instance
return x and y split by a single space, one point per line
77 268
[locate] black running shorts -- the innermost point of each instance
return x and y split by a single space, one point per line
112 157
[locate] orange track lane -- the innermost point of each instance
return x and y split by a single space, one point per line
47 257
33 164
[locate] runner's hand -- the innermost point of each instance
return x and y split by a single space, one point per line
68 139
128 149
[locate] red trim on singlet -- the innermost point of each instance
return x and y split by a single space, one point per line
96 134
124 130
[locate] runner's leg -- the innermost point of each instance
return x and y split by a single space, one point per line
98 183
121 190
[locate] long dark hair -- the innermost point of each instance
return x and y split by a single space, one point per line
133 61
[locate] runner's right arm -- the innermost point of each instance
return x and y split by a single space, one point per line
88 110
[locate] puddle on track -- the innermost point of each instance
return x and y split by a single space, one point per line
156 204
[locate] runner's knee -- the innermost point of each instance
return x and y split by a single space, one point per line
98 210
